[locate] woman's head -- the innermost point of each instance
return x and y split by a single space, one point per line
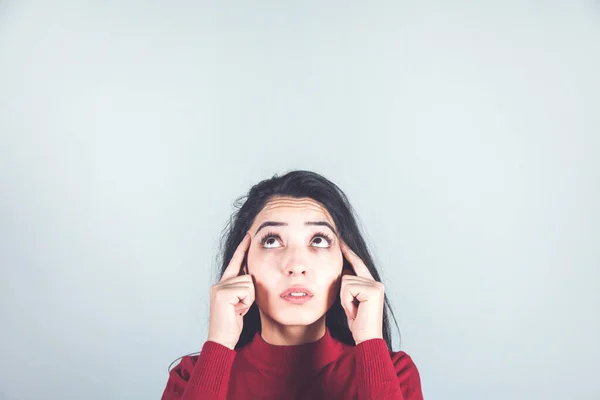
296 222
294 243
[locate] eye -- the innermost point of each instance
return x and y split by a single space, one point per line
269 241
322 240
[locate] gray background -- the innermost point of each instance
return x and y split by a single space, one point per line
466 135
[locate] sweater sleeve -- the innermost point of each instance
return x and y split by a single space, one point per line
201 377
385 376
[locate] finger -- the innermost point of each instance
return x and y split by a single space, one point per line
235 265
245 302
237 295
348 302
245 298
243 279
360 269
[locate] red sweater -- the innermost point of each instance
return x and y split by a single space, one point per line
325 369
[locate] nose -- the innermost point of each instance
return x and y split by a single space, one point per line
295 263
296 269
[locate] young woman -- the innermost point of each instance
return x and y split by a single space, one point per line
299 311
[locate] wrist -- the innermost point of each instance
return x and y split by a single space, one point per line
221 342
364 339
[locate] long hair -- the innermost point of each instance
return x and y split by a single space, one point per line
302 184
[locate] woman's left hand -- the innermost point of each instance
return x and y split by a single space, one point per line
362 299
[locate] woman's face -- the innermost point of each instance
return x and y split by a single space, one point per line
294 242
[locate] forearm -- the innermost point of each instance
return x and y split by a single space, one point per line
376 375
383 376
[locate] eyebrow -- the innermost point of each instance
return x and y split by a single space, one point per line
307 223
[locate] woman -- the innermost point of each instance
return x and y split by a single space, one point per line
299 311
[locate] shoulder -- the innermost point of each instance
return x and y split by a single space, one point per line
408 375
210 354
373 353
184 367
373 360
403 363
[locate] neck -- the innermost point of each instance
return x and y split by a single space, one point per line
289 335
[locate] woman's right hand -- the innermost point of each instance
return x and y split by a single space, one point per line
230 300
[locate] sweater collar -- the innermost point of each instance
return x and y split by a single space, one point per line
313 356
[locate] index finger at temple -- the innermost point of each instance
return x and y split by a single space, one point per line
235 265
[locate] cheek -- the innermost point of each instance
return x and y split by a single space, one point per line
329 270
260 261
260 266
336 260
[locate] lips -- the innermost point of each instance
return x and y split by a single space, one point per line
296 289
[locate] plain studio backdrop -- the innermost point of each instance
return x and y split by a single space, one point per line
466 135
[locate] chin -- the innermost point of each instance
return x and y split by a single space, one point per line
297 319
294 315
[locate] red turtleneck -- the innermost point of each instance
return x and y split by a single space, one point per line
325 369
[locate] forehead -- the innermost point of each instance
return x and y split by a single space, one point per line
290 210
